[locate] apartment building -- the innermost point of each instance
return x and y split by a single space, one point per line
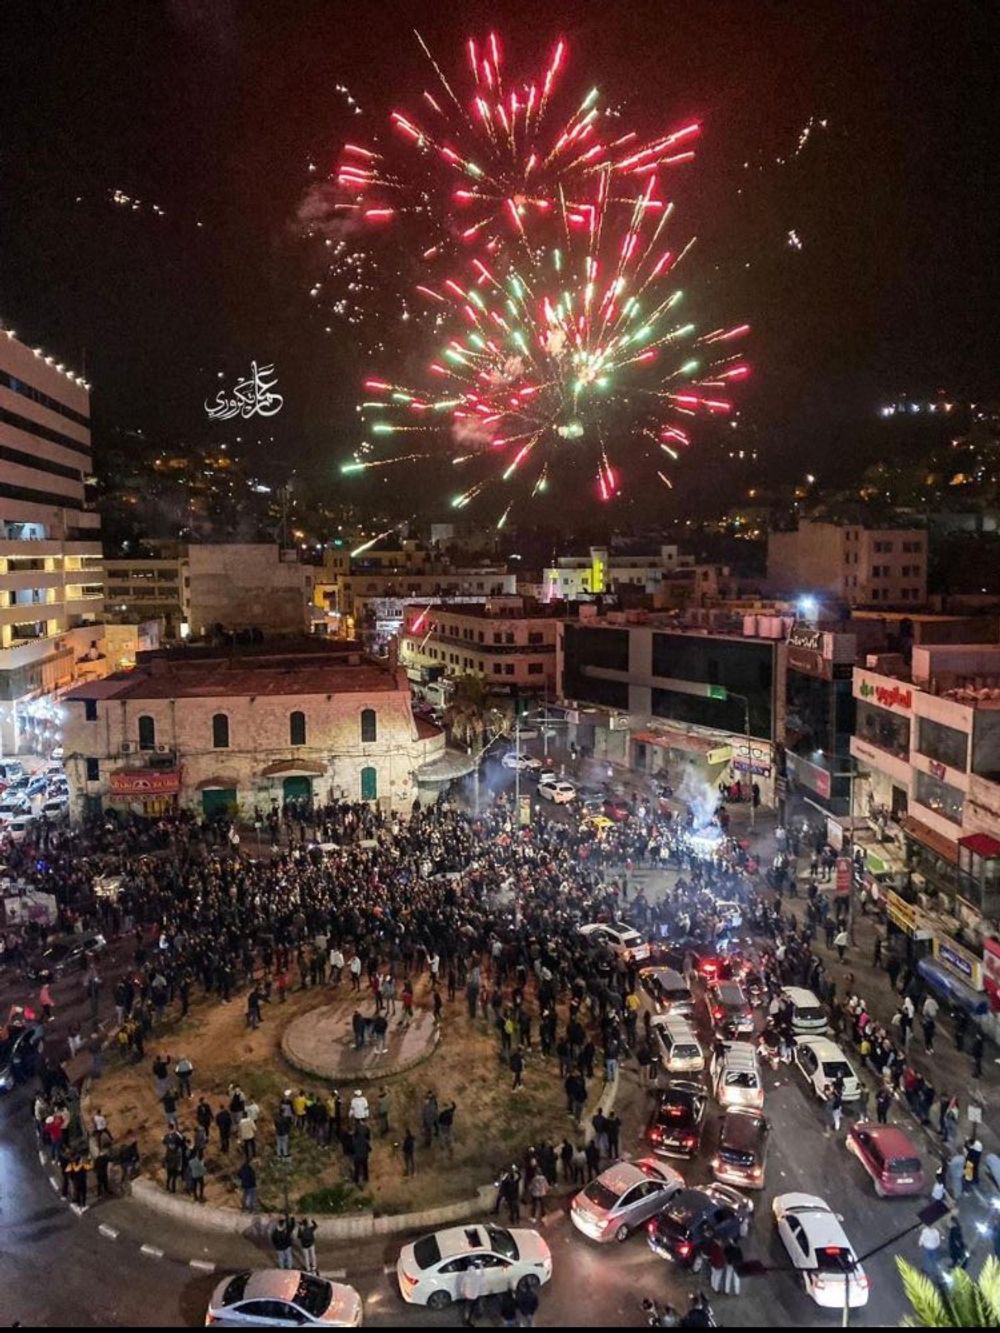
155 588
51 575
510 644
574 577
859 566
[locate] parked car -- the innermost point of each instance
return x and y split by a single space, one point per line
283 1298
819 1249
556 789
56 807
741 1156
678 1047
822 1061
679 1233
889 1156
678 1118
37 785
13 807
619 937
18 829
58 754
66 954
617 808
729 1010
430 1270
623 1197
736 1076
597 822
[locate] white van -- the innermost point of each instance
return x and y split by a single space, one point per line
736 1078
808 1015
679 1049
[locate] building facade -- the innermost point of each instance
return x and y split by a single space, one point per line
510 646
859 566
636 688
51 575
141 589
244 731
249 586
573 578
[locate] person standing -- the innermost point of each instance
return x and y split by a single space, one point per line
429 1118
247 1177
929 1241
382 1112
840 944
471 1290
883 1100
734 1262
409 1153
282 1132
527 1305
307 1244
196 1175
224 1124
446 1123
538 1188
248 1136
281 1238
517 1069
977 1055
184 1069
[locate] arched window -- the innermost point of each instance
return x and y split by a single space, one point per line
297 728
369 784
369 724
147 733
220 731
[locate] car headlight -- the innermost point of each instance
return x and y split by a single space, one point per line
6 1081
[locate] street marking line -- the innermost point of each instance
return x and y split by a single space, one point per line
202 1265
338 1273
151 1251
54 1184
77 1209
107 1231
42 1159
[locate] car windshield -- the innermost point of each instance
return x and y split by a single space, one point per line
235 1289
502 1242
837 1069
904 1166
598 1193
426 1251
834 1259
809 1013
630 938
313 1295
740 1078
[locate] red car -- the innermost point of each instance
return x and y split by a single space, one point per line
617 808
890 1158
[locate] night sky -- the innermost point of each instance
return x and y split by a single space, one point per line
212 110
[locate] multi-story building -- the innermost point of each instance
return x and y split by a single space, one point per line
643 692
573 578
509 644
51 578
253 728
157 588
859 566
350 595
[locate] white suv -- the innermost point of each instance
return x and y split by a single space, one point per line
557 789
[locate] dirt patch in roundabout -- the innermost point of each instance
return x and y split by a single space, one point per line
492 1125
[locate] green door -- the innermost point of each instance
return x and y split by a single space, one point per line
297 789
369 784
217 801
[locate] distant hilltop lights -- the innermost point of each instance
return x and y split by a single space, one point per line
49 360
907 405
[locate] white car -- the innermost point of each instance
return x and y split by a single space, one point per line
17 829
820 1251
14 807
58 755
620 938
808 1015
821 1061
283 1298
430 1271
730 913
56 807
523 761
557 789
623 1198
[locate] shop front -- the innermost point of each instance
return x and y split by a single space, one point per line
151 792
293 783
933 860
908 933
955 974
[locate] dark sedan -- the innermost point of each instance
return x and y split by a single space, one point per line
67 954
680 1232
678 1118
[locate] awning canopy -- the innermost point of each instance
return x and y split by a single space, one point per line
290 768
447 767
942 981
217 783
981 844
935 841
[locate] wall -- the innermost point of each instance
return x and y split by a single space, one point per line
239 585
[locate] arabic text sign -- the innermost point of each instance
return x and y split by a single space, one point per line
253 396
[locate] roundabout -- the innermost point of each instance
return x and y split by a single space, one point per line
321 1043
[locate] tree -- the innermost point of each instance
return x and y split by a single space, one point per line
960 1302
469 714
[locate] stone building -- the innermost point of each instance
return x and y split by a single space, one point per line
217 730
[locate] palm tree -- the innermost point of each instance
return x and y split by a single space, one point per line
960 1302
469 714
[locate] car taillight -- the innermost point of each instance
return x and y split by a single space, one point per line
717 1012
689 1140
655 1135
651 1227
410 1281
684 1248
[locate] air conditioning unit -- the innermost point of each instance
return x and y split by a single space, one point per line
162 749
126 747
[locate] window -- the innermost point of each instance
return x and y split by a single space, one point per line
90 710
147 733
889 731
93 770
297 728
508 669
496 668
941 797
220 731
369 784
369 726
535 668
947 745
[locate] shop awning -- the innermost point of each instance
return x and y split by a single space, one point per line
981 844
936 842
447 767
289 768
141 782
676 740
217 783
945 983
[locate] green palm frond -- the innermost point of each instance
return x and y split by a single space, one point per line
964 1303
925 1299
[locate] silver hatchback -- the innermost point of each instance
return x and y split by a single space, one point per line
623 1197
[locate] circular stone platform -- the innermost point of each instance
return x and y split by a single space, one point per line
321 1043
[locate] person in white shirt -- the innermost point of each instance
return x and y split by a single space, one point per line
929 1241
359 1107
